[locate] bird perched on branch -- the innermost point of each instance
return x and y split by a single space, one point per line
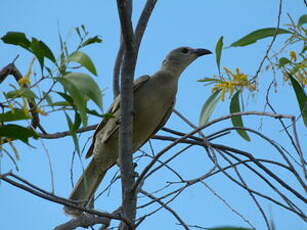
154 99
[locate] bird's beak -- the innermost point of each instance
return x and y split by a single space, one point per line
201 52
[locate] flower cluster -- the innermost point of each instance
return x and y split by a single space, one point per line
235 80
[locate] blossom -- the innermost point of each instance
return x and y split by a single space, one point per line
237 80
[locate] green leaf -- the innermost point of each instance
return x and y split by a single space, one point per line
16 38
41 50
62 67
84 60
90 41
47 51
60 103
108 115
48 98
78 98
66 97
17 132
77 122
78 32
12 158
81 87
302 20
73 133
27 93
37 49
14 149
208 108
283 61
259 34
94 113
218 52
237 120
83 28
301 97
86 86
15 115
23 92
303 49
207 79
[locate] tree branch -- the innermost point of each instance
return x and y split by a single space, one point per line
155 199
84 221
149 166
66 133
126 112
56 199
11 69
271 44
139 32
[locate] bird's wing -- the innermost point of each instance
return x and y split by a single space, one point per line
113 108
165 118
162 123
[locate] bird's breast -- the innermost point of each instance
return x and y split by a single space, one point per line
151 103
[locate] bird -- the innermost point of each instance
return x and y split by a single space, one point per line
154 99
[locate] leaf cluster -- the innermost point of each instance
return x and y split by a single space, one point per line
293 69
59 88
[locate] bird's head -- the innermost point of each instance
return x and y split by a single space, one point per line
178 59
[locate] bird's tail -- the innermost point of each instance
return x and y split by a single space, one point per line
86 186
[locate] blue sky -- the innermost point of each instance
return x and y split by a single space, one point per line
196 23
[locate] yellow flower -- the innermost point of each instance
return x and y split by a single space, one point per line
238 81
239 76
24 81
293 55
40 111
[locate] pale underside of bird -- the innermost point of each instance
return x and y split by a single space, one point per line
154 99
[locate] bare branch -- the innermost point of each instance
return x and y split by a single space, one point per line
250 193
66 133
149 166
271 44
116 70
139 32
155 199
126 112
143 21
56 199
228 205
84 221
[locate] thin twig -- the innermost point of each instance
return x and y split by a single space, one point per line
155 199
67 133
84 221
139 32
271 44
126 111
245 184
56 199
49 165
149 166
228 205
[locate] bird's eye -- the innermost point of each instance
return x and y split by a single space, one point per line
184 50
